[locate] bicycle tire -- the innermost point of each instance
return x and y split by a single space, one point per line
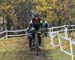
36 44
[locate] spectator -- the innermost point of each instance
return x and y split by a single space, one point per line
46 27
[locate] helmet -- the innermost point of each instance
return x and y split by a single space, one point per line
46 22
35 14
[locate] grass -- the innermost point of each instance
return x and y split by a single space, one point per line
13 49
18 49
55 54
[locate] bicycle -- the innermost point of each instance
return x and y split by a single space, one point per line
36 42
37 37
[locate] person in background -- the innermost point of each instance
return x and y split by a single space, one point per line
46 27
41 24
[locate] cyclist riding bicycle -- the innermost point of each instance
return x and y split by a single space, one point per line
34 26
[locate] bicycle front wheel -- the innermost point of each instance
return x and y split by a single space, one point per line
37 44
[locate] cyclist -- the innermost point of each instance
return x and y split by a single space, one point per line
35 26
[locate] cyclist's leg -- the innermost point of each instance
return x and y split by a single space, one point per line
33 37
30 42
39 39
46 31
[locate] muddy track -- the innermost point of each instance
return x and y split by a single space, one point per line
32 54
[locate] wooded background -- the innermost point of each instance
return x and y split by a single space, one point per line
16 14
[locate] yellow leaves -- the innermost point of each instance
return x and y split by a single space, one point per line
35 1
43 8
42 0
1 18
7 7
50 18
47 7
53 0
39 8
50 7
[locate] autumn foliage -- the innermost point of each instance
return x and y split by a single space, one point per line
56 12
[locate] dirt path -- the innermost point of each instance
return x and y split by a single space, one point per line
32 54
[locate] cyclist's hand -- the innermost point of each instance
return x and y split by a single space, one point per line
39 32
33 29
